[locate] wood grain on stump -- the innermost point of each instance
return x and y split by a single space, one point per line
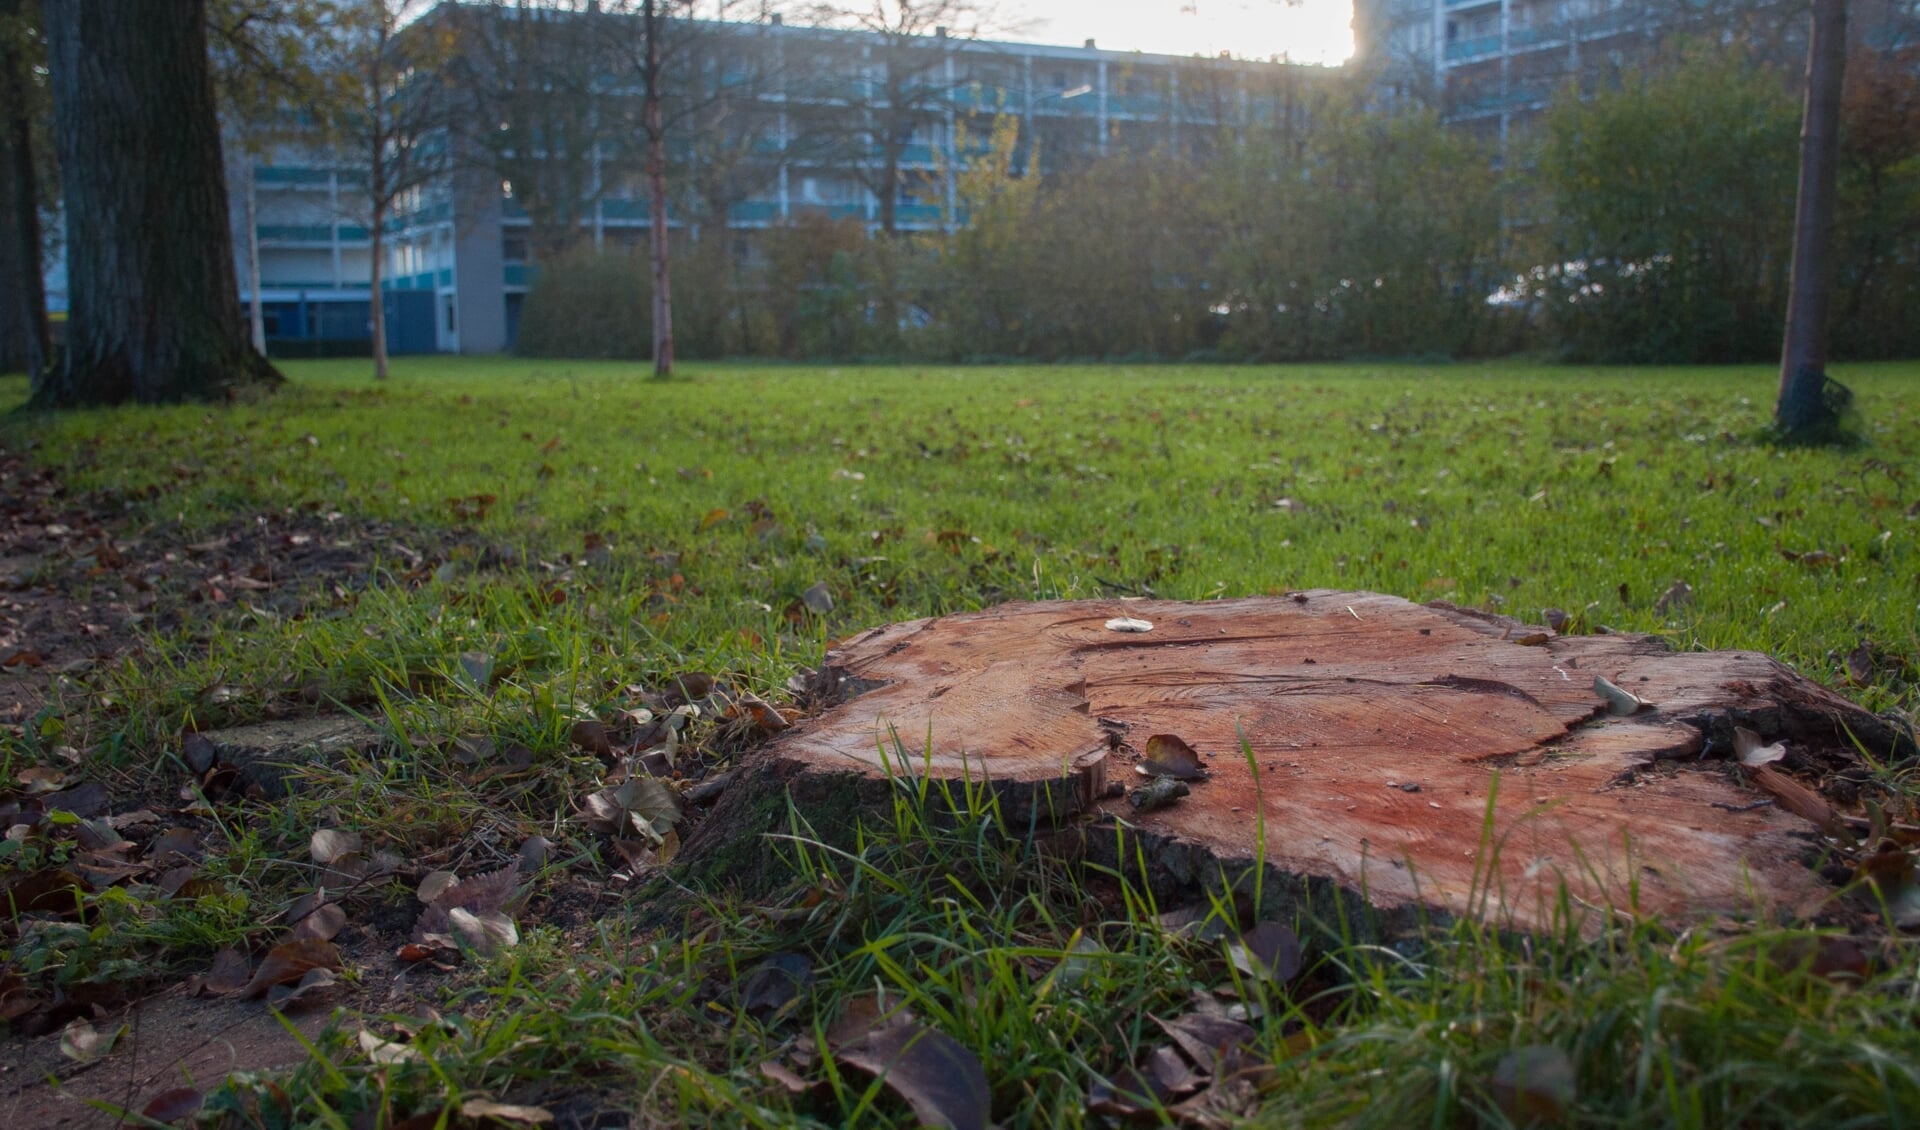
1422 756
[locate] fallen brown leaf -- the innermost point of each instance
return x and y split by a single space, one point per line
230 973
330 845
1797 798
289 962
1168 755
942 1080
322 923
1268 952
173 1105
1534 1085
1215 1045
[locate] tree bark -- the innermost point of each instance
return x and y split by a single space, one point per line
376 308
1810 404
154 312
381 195
657 202
256 314
26 341
1349 744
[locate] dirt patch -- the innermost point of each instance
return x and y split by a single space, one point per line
172 1040
176 1039
82 582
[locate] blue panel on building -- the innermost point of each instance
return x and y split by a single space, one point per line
409 321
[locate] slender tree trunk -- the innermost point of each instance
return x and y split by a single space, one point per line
380 193
26 343
1810 404
890 185
657 203
256 316
376 307
153 315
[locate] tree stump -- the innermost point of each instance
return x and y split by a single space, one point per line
1423 758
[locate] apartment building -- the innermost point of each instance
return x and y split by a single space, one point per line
774 123
1491 65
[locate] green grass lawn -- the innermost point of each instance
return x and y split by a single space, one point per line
666 527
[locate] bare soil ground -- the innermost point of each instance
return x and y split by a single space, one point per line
83 585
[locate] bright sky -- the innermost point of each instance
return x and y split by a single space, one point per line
1311 31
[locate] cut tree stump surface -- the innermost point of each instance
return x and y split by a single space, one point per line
1379 728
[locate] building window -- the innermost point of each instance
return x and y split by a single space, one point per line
449 302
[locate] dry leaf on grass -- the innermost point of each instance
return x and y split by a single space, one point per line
314 985
174 1105
230 973
330 845
1268 952
322 923
289 962
645 804
937 1075
480 895
485 933
1130 1094
435 884
1534 1085
591 736
39 779
385 1052
1084 956
818 599
1170 1072
1215 1045
533 853
779 1073
775 985
505 1112
81 1042
1860 664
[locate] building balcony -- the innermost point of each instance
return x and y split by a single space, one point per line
754 212
1139 105
291 176
911 154
1536 38
432 213
1463 49
283 235
424 280
831 211
990 99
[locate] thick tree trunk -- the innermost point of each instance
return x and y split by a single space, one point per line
657 204
154 311
1810 404
1350 746
25 340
